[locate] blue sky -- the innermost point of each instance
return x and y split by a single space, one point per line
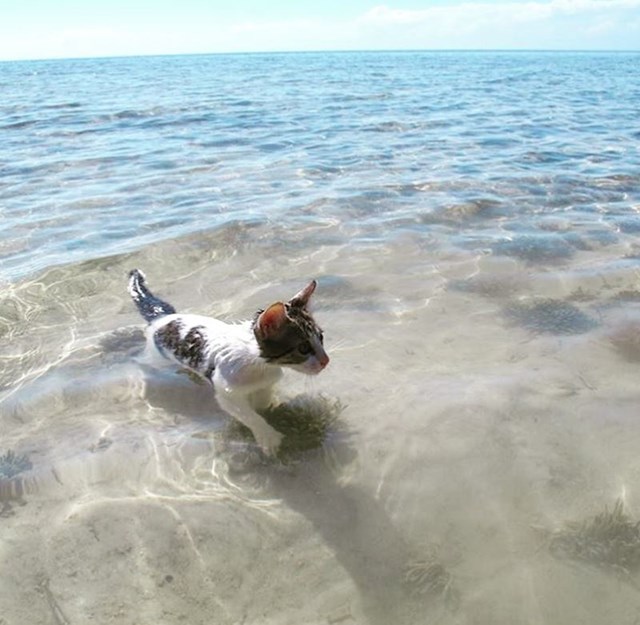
32 29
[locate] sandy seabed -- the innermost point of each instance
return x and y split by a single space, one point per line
476 405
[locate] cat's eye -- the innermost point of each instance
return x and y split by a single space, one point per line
321 337
305 348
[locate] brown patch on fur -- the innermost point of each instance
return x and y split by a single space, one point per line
188 350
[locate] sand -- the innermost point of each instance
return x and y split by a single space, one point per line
460 436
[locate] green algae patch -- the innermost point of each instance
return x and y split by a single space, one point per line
306 422
549 316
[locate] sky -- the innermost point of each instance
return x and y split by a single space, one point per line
39 29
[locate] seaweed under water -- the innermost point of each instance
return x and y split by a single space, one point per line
551 316
610 539
305 421
12 465
12 485
535 248
494 286
428 576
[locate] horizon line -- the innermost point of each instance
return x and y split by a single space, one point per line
330 51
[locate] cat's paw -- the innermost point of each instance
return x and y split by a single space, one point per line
269 440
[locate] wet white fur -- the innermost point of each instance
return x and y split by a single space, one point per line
242 379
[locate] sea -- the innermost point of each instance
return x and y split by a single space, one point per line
470 456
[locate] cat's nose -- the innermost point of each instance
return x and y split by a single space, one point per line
323 359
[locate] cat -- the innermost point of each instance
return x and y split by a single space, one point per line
242 361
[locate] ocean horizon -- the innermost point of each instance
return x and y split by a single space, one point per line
332 51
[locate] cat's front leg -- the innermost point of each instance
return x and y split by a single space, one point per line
238 406
262 398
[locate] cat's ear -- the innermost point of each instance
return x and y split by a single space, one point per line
301 298
271 321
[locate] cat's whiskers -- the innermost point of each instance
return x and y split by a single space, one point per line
310 384
338 345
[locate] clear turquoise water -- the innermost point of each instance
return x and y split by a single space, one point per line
104 156
472 220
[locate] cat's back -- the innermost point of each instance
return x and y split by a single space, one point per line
214 329
206 344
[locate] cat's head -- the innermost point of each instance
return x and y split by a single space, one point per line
288 335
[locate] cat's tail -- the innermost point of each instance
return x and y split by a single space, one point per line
149 306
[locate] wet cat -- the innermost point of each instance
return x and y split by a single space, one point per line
243 361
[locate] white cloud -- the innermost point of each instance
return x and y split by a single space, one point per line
506 24
521 11
553 23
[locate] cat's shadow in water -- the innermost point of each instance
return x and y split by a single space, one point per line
308 477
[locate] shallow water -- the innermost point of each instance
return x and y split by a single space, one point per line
472 220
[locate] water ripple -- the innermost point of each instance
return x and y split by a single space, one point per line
263 130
